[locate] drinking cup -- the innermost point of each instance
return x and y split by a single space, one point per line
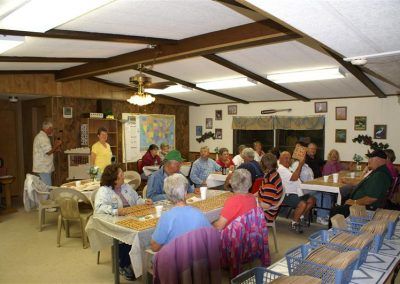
159 209
203 192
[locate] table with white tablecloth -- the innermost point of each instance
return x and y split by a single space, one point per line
101 230
215 180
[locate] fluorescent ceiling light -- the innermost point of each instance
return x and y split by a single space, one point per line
43 15
307 75
8 42
169 90
227 84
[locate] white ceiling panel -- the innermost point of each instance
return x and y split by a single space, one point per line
385 87
352 28
199 97
35 66
196 70
256 93
173 19
70 48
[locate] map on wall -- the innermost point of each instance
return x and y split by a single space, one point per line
156 129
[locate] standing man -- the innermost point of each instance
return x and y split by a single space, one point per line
202 167
43 163
313 161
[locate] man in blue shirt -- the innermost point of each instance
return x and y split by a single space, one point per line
155 184
203 167
250 164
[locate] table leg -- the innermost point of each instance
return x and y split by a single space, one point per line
115 261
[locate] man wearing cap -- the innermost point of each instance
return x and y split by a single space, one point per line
372 190
155 184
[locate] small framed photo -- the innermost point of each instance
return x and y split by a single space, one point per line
218 133
232 109
218 114
209 123
67 112
341 113
360 123
320 107
340 135
380 131
199 130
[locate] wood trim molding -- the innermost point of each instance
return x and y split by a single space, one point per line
258 33
230 65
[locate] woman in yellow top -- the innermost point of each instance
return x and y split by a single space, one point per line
101 152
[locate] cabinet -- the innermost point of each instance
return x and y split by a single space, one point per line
112 129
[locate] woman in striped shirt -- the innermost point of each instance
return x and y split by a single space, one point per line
271 190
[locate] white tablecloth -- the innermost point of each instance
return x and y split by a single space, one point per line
214 180
323 188
101 229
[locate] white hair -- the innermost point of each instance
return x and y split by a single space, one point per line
175 187
241 181
248 152
205 148
47 124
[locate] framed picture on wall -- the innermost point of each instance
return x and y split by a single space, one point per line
67 112
218 114
218 133
232 109
341 113
340 135
199 130
360 123
380 131
209 123
320 107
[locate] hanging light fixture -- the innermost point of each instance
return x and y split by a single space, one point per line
140 98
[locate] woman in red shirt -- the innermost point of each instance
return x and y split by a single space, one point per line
151 158
238 204
223 159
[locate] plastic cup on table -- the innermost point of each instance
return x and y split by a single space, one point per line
159 209
352 174
203 192
326 178
335 177
78 183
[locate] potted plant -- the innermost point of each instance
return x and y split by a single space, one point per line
93 172
358 158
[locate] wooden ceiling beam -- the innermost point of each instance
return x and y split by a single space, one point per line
46 59
133 89
230 65
258 33
357 72
193 86
80 35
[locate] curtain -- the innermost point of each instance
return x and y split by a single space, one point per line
299 122
253 122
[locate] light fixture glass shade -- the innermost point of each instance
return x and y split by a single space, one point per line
43 15
141 99
8 42
227 84
307 75
170 90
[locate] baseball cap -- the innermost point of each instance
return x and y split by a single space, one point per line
377 153
174 155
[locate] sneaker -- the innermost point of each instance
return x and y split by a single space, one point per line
51 209
297 227
323 221
304 221
127 272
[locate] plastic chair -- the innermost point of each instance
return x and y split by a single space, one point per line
256 185
144 192
133 178
68 201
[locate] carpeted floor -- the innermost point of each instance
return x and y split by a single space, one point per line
30 256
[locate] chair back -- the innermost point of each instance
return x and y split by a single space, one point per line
256 185
93 197
140 166
68 200
133 178
144 192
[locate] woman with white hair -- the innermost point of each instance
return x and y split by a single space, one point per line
181 218
240 203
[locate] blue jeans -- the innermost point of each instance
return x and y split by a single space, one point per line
46 178
326 203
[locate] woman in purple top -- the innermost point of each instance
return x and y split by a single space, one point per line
332 164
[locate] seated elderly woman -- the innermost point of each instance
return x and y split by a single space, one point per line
240 203
181 218
333 164
114 188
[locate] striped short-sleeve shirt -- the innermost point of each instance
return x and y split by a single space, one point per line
270 193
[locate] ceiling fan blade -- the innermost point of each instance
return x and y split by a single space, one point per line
160 85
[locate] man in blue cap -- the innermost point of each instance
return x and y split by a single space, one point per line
155 184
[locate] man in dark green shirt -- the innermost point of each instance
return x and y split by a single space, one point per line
372 190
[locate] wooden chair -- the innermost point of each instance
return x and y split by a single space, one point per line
68 201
